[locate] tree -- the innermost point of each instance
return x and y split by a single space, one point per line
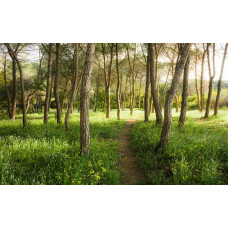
146 99
56 87
201 80
107 76
154 93
48 88
118 84
184 93
220 82
211 75
196 80
171 95
84 101
7 89
74 87
132 70
14 56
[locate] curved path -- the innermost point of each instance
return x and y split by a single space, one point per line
131 173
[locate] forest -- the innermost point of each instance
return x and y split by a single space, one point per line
113 114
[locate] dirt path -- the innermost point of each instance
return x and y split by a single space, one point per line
131 173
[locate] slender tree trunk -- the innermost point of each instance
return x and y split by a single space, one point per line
108 78
57 77
201 82
14 56
171 95
154 93
196 80
220 82
146 99
107 101
207 112
7 89
96 94
184 101
132 89
118 85
84 102
74 88
164 91
176 103
47 98
14 97
140 90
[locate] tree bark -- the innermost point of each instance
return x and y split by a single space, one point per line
96 94
146 99
220 82
47 98
118 84
84 102
7 89
201 81
108 78
196 80
140 90
207 112
56 87
132 69
184 101
74 88
14 97
14 56
154 93
171 95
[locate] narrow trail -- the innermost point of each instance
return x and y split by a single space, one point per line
131 173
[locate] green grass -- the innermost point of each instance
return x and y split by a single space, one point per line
46 154
196 154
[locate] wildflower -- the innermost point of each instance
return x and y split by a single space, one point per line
91 171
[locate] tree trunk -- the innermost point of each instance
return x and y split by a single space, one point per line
171 95
7 89
154 93
96 94
140 90
220 82
132 89
196 80
56 88
47 98
14 97
201 82
108 78
74 88
184 101
118 85
84 102
14 56
146 99
107 89
207 112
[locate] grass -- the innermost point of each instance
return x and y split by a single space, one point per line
196 154
46 154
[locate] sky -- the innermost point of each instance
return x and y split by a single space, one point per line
33 56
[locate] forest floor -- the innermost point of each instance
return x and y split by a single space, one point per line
131 173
